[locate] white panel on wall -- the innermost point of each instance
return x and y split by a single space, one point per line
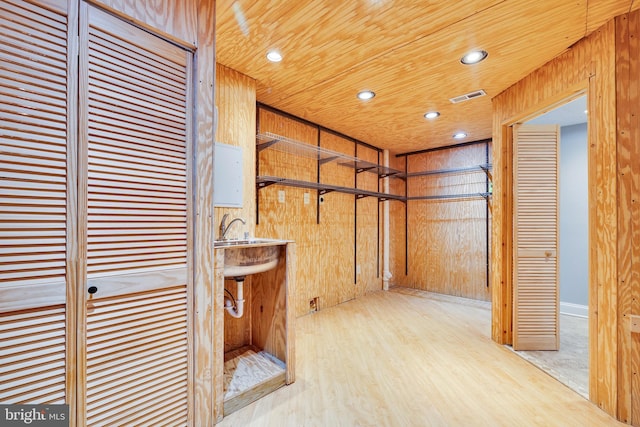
227 176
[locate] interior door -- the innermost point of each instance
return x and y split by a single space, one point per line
535 240
134 357
37 237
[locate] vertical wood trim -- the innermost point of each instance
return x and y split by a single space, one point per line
217 343
628 152
73 282
406 219
631 291
502 235
207 348
191 134
604 268
624 211
593 249
290 284
355 227
83 138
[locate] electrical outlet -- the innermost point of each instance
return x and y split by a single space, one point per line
306 199
358 269
280 196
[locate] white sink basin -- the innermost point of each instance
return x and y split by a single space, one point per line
245 257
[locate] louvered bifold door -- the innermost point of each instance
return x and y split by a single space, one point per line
134 91
35 195
535 264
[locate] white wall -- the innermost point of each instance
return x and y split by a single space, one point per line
574 229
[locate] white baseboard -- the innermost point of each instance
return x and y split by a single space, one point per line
574 309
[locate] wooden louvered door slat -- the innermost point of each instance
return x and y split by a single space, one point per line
535 264
36 192
134 93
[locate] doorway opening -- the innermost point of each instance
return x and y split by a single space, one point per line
570 363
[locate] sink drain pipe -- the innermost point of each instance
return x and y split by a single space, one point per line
235 308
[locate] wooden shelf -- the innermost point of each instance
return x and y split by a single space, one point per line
283 144
265 181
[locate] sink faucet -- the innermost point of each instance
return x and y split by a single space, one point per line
224 227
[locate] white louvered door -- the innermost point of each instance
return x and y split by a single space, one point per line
535 264
134 96
36 192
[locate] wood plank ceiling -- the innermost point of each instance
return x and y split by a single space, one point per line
407 51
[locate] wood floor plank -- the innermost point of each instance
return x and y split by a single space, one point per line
411 358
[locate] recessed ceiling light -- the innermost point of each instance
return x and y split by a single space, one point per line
460 135
474 57
431 115
366 94
274 56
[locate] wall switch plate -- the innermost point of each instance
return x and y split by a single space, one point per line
358 269
306 199
280 196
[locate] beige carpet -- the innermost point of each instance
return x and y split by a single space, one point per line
570 364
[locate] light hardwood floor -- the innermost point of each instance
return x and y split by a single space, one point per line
411 358
570 364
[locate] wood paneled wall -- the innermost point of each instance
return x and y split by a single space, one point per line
335 232
236 102
628 165
334 248
447 239
292 219
605 66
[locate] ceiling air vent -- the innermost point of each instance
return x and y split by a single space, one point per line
468 96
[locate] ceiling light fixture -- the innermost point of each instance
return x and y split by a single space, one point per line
274 56
431 115
460 135
474 57
366 95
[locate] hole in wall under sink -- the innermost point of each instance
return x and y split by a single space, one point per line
313 304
